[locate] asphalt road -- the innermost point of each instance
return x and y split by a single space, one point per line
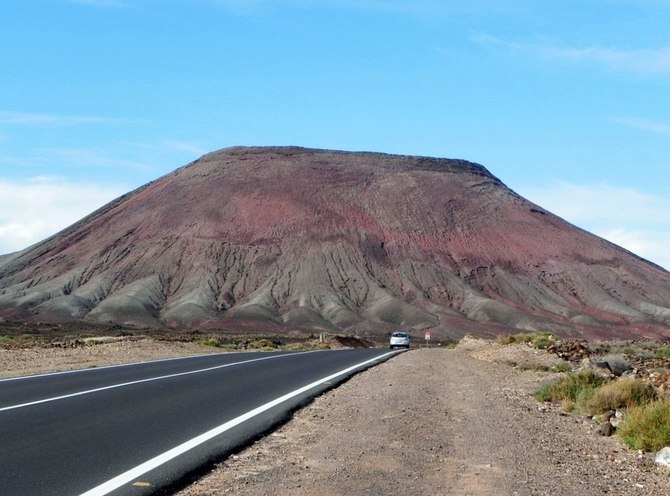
146 428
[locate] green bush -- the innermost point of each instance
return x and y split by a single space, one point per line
209 342
574 387
633 350
542 340
647 427
296 347
539 340
663 352
262 345
561 367
624 393
228 346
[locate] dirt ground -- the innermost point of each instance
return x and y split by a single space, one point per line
97 353
428 422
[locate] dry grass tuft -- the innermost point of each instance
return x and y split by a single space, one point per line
647 427
624 393
576 387
539 340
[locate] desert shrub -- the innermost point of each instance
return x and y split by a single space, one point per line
561 367
628 350
616 363
663 352
539 367
542 340
624 393
296 347
228 346
647 427
567 405
209 342
262 345
577 387
535 367
539 340
632 349
505 339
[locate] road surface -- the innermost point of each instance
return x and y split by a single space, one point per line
142 428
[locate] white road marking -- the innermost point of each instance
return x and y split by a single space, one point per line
134 473
150 379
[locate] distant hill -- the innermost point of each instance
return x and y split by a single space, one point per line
283 238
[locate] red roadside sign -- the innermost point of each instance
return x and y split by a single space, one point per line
427 335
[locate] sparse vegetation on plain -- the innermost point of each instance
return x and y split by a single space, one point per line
19 341
262 344
537 367
209 342
633 350
538 340
646 424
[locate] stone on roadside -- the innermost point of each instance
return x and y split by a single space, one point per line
606 429
663 457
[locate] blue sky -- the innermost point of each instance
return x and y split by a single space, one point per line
567 102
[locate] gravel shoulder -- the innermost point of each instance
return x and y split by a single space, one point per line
436 422
427 422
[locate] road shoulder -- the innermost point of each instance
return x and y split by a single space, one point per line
430 422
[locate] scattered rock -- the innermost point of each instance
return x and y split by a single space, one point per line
570 350
615 364
617 418
663 457
606 429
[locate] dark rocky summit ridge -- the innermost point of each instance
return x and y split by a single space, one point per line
286 238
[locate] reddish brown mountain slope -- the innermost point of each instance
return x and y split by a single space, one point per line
290 238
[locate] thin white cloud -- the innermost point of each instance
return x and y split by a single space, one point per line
645 125
22 118
639 61
630 218
35 209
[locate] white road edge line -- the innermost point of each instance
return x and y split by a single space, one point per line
150 379
134 473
